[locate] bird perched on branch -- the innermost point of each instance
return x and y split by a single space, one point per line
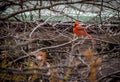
80 30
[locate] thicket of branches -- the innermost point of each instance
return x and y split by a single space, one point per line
76 59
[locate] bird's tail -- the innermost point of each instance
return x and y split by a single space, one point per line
89 36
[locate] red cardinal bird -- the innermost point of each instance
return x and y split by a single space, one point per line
80 30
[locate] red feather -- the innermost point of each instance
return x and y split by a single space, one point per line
80 30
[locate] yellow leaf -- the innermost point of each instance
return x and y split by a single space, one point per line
34 77
4 63
31 64
18 77
67 74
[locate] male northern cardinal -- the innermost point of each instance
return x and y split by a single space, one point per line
80 30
